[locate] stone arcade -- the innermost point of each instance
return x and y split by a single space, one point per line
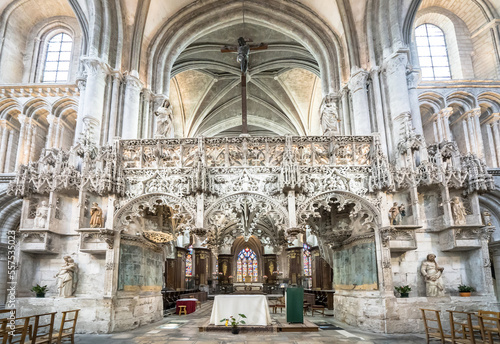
369 147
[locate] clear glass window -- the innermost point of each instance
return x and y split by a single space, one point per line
58 58
432 53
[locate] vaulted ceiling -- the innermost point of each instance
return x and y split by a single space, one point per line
283 89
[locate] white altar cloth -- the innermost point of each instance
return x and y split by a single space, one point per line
255 308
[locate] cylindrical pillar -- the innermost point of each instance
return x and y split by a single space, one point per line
133 87
361 124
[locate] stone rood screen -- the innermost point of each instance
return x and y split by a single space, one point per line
247 151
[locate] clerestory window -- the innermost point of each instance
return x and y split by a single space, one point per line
58 58
432 52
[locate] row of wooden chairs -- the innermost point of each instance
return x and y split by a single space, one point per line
482 327
39 329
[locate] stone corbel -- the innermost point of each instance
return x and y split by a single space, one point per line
96 240
39 241
462 238
399 238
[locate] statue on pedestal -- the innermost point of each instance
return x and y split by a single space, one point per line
67 277
394 214
458 211
165 121
96 220
42 213
329 119
432 274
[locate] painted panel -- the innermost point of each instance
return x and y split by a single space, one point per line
355 267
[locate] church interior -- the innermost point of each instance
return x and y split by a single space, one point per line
156 151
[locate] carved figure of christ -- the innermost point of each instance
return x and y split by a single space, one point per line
243 51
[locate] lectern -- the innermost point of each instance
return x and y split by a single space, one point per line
295 305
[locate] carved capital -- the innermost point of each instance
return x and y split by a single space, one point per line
358 80
132 81
413 79
446 112
94 66
395 63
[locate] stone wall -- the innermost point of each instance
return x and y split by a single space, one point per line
131 311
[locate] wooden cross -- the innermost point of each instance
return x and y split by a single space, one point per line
243 50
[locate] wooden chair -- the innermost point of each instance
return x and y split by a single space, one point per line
21 330
69 318
462 332
182 310
489 326
43 328
433 327
4 333
306 307
280 304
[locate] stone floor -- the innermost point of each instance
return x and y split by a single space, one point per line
176 329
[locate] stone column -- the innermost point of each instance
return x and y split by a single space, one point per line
295 271
476 138
81 83
443 124
133 87
115 102
180 263
361 124
201 266
413 79
50 133
317 280
379 110
3 273
270 266
96 71
494 248
397 92
4 147
492 126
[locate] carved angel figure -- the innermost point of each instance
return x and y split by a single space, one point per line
42 212
329 117
164 123
432 274
96 220
458 211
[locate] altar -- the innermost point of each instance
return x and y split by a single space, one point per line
255 308
248 287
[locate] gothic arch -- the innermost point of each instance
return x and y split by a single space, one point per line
289 18
134 207
309 207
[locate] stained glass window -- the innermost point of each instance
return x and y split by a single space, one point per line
247 265
432 53
58 58
307 260
189 262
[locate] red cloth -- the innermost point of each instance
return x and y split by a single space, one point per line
190 306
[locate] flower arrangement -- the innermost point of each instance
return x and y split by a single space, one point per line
233 322
404 289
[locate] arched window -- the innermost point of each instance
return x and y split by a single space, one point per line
58 58
306 256
189 262
247 265
432 52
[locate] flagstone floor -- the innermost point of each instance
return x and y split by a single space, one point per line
183 329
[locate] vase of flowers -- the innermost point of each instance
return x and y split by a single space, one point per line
231 321
403 290
465 290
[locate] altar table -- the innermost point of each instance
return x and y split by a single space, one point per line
189 303
254 307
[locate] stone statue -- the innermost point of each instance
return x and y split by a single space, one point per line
271 268
165 122
96 220
432 274
458 211
67 278
394 214
42 212
329 118
243 53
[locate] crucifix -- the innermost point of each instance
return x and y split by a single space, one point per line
243 51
